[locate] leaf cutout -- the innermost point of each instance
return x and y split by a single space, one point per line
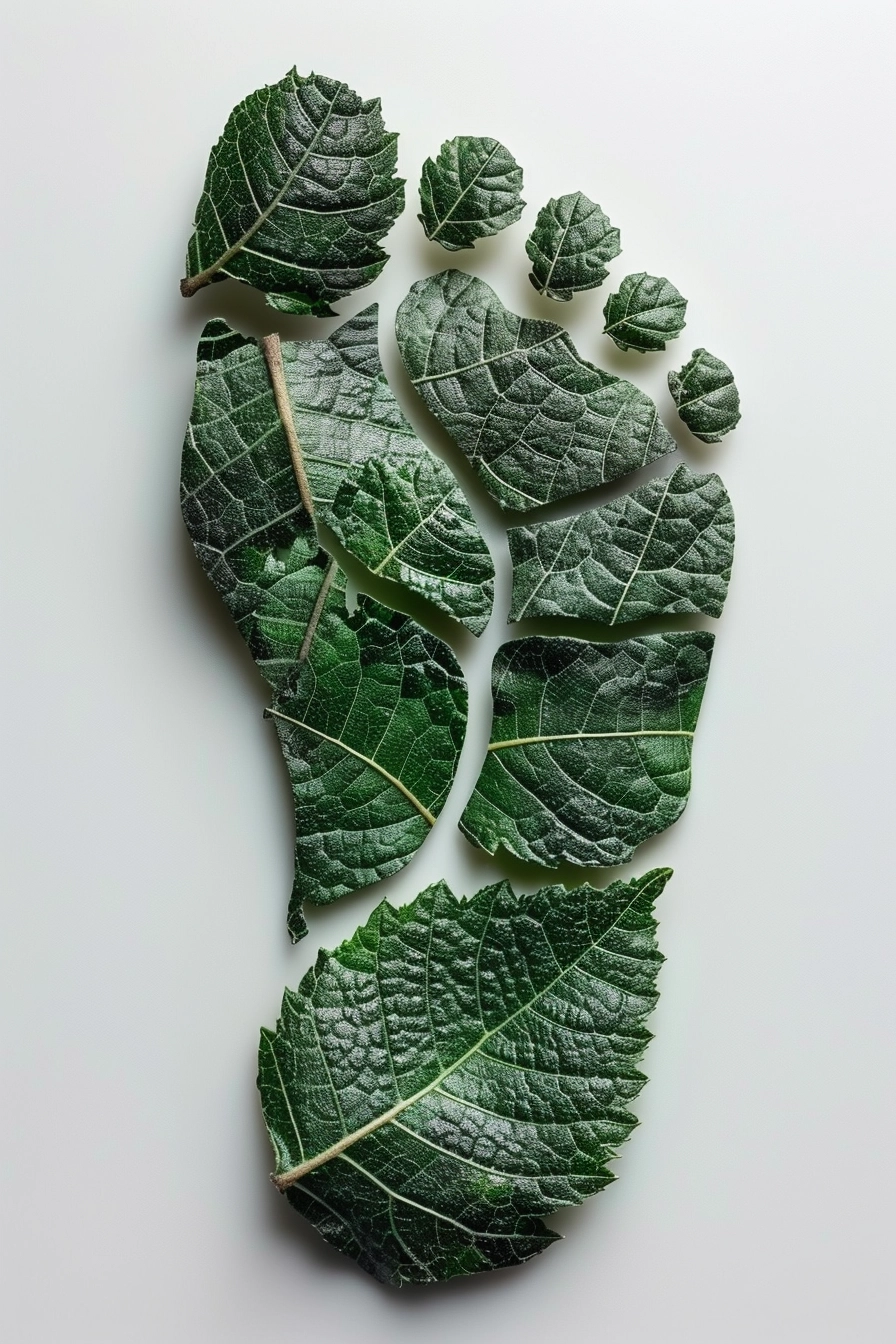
299 190
536 420
370 708
401 520
571 241
646 311
460 1068
343 414
706 396
472 190
590 748
371 725
666 547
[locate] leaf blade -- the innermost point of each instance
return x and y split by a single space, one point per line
571 241
472 190
536 420
644 313
666 547
706 396
401 1166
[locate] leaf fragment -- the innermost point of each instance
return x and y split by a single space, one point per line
536 420
706 396
472 190
239 459
459 1069
299 190
403 520
590 748
571 241
645 312
665 547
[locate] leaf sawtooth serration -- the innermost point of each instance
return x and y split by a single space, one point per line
298 192
536 420
461 1068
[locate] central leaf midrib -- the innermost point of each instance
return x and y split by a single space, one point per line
287 1178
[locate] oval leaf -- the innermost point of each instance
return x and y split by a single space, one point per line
470 191
590 748
571 241
646 312
536 420
666 547
459 1069
706 396
298 192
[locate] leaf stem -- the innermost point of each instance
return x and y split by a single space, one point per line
315 616
273 357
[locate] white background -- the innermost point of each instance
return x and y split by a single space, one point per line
745 150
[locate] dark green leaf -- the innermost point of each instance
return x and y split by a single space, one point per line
666 547
470 191
646 312
371 723
536 420
298 192
706 396
590 747
237 463
403 520
370 708
571 241
459 1069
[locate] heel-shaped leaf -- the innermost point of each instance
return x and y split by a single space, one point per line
666 547
299 190
590 748
536 420
461 1068
239 483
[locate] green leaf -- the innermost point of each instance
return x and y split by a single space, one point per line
646 312
590 748
459 1069
666 547
706 396
371 723
571 241
370 708
470 191
536 420
402 520
298 192
239 474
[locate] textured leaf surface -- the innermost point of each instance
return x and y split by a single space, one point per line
370 708
666 547
459 1069
537 421
404 520
237 463
590 747
298 192
645 312
470 191
706 396
571 241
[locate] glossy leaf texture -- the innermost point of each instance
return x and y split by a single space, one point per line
470 191
416 525
299 191
461 1068
666 547
536 420
590 749
706 396
569 245
645 312
370 707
